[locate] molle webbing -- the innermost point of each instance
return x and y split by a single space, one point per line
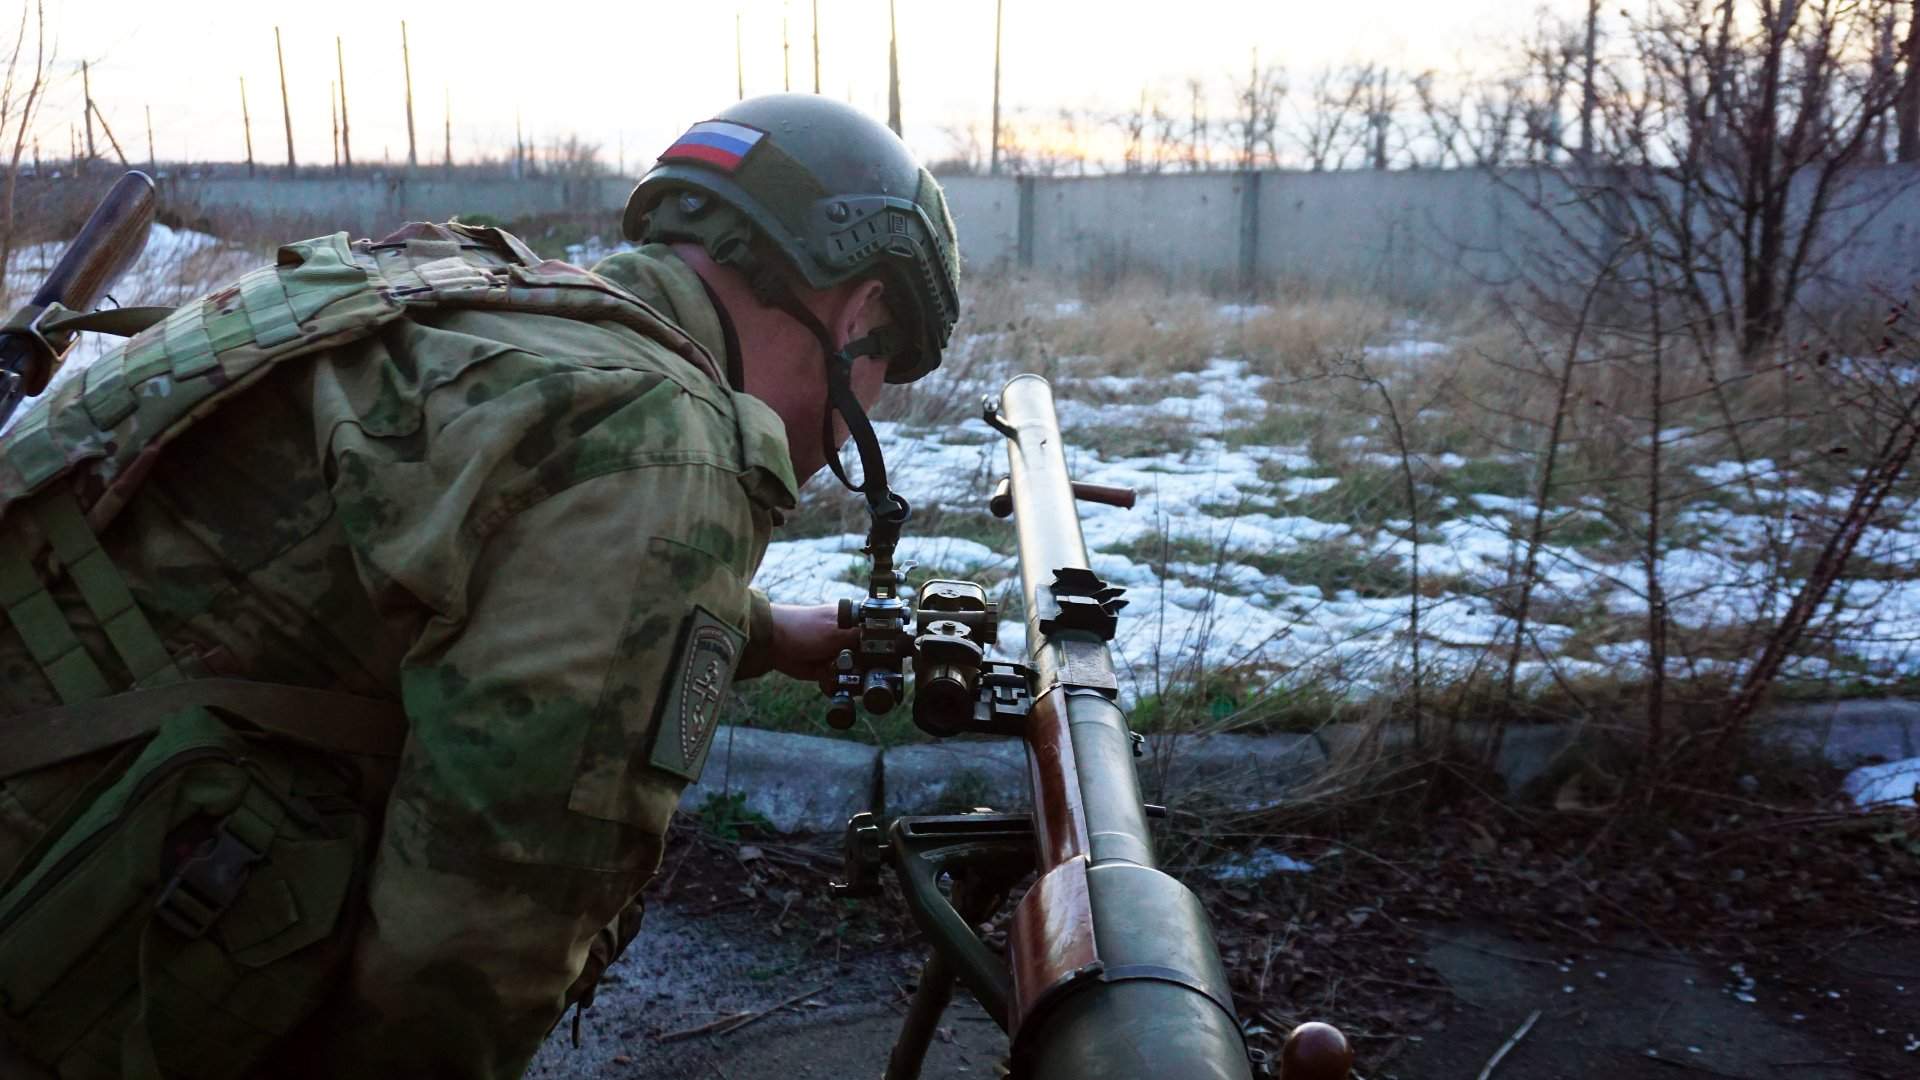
139 396
320 293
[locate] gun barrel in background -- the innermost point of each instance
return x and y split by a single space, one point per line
1115 970
110 241
113 237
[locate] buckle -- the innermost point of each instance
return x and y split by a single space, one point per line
207 883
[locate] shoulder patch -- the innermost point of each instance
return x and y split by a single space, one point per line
702 673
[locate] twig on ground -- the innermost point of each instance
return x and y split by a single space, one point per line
688 1033
1512 1041
764 1013
727 1025
1266 967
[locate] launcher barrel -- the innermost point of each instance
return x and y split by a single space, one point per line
1115 971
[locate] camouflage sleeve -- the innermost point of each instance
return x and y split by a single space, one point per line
529 809
758 658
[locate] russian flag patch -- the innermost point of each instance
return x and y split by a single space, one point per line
717 143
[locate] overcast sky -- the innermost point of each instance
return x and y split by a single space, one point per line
631 75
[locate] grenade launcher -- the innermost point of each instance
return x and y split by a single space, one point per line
1111 970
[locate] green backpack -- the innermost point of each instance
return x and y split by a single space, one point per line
195 903
186 913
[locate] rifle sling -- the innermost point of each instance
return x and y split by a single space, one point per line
343 723
119 322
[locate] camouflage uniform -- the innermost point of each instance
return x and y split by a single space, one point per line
507 521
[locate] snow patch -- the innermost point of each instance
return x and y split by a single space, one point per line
1896 782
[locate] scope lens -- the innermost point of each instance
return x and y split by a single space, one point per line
840 711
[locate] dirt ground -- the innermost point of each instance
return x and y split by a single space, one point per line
822 985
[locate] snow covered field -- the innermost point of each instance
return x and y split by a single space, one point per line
1261 556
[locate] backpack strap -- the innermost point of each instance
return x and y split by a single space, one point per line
326 719
49 637
105 591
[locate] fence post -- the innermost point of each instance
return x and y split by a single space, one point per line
1025 238
1249 230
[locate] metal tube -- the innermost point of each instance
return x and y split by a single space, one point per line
1115 971
1108 812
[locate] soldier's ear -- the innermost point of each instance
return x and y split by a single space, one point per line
865 308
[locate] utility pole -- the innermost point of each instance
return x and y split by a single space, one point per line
448 158
346 138
406 64
519 148
246 123
286 110
993 156
1588 96
786 51
86 91
152 162
111 141
893 69
816 46
739 69
333 118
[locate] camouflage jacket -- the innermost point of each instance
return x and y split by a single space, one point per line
512 522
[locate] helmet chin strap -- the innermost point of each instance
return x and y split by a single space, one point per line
886 510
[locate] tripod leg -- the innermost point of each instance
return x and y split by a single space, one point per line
930 1000
975 901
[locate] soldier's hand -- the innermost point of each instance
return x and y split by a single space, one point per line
806 638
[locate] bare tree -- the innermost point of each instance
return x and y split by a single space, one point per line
1443 116
966 158
1043 147
1555 53
1134 125
1255 127
1381 96
1335 117
1734 129
21 94
1199 139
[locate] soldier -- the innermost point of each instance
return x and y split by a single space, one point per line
518 500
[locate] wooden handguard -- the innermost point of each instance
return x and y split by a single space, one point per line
1001 504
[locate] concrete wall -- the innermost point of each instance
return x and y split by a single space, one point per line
373 204
986 210
1408 235
1187 226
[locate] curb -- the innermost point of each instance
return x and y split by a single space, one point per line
1845 733
799 783
806 783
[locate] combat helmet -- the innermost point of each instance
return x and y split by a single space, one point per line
827 190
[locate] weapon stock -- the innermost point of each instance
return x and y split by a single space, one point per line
1111 968
32 342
